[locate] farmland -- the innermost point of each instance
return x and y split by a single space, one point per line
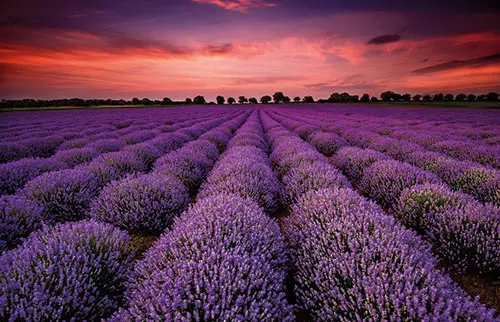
307 212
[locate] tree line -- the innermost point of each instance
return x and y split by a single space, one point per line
276 98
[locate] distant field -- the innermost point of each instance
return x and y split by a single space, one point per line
409 104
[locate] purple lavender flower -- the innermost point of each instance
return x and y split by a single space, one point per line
469 237
353 161
223 261
106 145
75 271
310 176
384 180
75 157
354 263
14 175
144 203
18 218
146 152
64 195
327 143
418 204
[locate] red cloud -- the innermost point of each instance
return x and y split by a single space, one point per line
238 5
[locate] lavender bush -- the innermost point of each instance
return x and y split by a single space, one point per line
223 261
141 204
73 272
18 218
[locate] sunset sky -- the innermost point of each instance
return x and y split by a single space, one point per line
182 48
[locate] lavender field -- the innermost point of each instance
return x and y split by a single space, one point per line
302 212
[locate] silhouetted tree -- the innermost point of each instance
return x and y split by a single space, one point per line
427 98
136 101
365 98
334 98
308 99
231 100
373 99
146 101
345 97
438 97
265 99
406 97
448 97
167 100
387 96
296 99
189 101
199 100
242 99
492 97
253 100
322 101
471 97
278 97
397 97
417 98
286 99
460 97
355 98
220 100
481 97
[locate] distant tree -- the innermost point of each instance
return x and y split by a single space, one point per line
417 98
355 98
253 100
406 97
231 100
365 98
308 99
438 97
136 101
189 101
166 101
345 97
286 99
278 97
220 100
199 100
242 99
322 101
265 99
373 99
397 97
146 101
296 99
211 103
334 98
448 97
471 97
387 96
481 97
460 97
427 98
492 97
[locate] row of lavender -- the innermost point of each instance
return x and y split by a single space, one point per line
14 175
480 181
464 232
224 259
46 136
79 270
67 195
352 262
